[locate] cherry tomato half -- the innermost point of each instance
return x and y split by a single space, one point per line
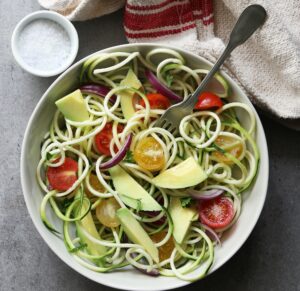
104 137
149 154
216 213
63 177
95 183
223 141
106 212
208 100
157 101
165 250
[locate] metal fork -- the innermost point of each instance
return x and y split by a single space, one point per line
250 19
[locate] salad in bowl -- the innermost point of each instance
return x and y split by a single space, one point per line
122 193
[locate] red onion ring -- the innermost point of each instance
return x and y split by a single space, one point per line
153 272
99 90
161 88
151 214
205 195
119 156
211 233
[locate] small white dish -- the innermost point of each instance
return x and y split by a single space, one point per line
67 28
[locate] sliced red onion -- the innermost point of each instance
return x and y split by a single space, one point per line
153 272
211 233
161 88
97 89
151 214
160 200
119 156
206 194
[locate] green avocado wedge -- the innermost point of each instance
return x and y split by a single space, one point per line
181 217
132 81
131 192
72 106
186 174
136 233
87 225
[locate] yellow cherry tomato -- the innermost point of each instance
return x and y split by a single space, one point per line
165 250
95 183
149 154
106 212
223 142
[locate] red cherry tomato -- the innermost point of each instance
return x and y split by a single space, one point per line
208 100
63 177
217 212
103 138
157 101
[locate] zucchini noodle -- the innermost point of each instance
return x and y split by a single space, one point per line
215 139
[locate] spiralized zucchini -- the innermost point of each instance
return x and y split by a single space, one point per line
199 132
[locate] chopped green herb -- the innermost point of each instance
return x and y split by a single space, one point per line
169 80
186 201
65 204
138 201
139 205
129 157
49 156
78 248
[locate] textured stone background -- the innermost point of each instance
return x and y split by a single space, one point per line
270 258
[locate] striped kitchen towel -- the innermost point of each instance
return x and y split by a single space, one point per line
267 65
175 21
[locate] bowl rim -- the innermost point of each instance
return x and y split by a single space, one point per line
57 18
90 274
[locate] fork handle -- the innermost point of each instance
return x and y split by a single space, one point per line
249 21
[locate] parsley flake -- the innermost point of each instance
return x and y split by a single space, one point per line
129 157
186 201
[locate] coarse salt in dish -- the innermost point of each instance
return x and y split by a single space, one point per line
45 43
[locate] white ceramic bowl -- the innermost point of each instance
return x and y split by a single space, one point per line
64 23
131 279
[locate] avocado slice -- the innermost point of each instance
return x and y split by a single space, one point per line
130 80
87 223
136 233
72 106
181 217
186 174
131 192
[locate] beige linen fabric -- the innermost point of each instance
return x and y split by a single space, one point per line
82 9
267 65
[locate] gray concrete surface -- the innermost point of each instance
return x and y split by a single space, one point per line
270 258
